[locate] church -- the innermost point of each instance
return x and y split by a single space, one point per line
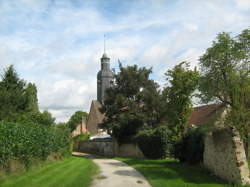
105 79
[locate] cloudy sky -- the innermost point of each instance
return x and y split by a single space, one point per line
57 44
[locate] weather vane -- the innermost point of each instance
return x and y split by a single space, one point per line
104 43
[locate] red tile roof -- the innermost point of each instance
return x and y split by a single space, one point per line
203 114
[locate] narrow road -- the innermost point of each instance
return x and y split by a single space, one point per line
114 173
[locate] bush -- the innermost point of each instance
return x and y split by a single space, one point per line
155 143
83 136
26 141
191 147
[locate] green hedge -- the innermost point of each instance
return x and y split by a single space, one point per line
25 141
191 147
156 143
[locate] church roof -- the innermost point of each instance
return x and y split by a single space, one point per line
203 114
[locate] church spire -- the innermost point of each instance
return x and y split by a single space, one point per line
105 75
104 43
105 58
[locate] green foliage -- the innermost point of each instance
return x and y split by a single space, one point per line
133 103
225 78
31 97
18 99
155 143
24 141
70 171
190 147
45 118
76 119
12 94
178 96
42 118
83 136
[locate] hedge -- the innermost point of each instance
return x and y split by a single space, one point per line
155 143
25 141
190 148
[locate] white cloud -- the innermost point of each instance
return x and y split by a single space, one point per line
69 95
191 55
191 27
243 4
58 45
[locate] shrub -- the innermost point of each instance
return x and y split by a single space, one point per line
83 136
191 146
25 141
155 143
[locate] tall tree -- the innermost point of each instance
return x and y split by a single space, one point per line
12 94
225 77
178 96
131 104
31 96
76 119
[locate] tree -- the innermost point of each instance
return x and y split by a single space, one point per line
76 119
45 118
178 96
31 97
131 104
12 94
225 78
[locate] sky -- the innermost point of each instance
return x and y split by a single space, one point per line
57 44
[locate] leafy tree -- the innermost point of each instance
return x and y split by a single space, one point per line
45 118
178 96
225 77
133 103
18 100
12 94
76 119
31 96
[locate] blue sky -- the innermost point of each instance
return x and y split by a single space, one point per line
57 44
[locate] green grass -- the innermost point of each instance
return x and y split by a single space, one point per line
71 171
171 173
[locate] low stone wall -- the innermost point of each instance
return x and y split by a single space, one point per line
224 155
127 150
109 147
102 147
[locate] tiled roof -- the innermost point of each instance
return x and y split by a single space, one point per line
203 114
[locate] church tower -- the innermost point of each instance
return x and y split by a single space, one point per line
104 78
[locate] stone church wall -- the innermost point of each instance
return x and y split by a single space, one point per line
224 155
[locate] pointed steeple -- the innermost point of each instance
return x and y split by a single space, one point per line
105 75
105 58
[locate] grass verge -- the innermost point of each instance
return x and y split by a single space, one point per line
171 173
71 171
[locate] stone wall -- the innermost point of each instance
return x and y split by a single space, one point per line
104 147
127 150
109 147
224 155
